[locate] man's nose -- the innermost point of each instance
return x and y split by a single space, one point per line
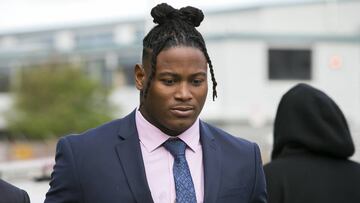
183 92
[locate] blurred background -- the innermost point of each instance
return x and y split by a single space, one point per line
67 66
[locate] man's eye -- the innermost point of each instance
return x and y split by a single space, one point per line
168 81
197 81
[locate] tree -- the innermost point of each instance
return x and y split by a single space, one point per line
56 99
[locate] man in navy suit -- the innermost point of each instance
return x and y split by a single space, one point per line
131 160
12 194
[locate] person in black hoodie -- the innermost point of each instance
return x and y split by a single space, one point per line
312 145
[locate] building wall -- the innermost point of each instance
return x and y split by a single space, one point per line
238 43
239 49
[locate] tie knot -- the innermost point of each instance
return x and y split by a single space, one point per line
175 146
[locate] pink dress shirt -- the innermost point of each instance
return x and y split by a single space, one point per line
158 161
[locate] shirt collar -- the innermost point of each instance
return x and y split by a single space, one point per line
152 137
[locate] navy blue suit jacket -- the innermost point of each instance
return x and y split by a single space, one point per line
12 194
105 165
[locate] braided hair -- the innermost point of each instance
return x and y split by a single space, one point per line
174 27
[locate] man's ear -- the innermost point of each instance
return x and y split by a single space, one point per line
139 76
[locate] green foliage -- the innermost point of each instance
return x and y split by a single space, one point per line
54 100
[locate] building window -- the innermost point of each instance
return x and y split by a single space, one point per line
289 64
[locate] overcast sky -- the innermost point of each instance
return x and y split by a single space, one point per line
24 15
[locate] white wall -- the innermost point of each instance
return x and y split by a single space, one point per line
240 63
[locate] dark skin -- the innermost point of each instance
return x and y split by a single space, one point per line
178 90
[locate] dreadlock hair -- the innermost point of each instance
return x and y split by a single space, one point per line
175 27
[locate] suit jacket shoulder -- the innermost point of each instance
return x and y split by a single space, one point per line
104 132
12 194
99 166
237 164
226 140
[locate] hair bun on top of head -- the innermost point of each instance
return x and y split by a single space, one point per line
163 13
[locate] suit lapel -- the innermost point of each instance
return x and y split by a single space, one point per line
212 164
129 153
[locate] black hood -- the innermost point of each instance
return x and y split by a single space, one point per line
309 120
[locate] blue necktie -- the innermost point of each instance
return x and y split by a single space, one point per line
185 192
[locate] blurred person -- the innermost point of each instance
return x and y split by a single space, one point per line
312 145
11 194
162 151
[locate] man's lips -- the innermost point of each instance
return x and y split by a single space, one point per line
182 111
